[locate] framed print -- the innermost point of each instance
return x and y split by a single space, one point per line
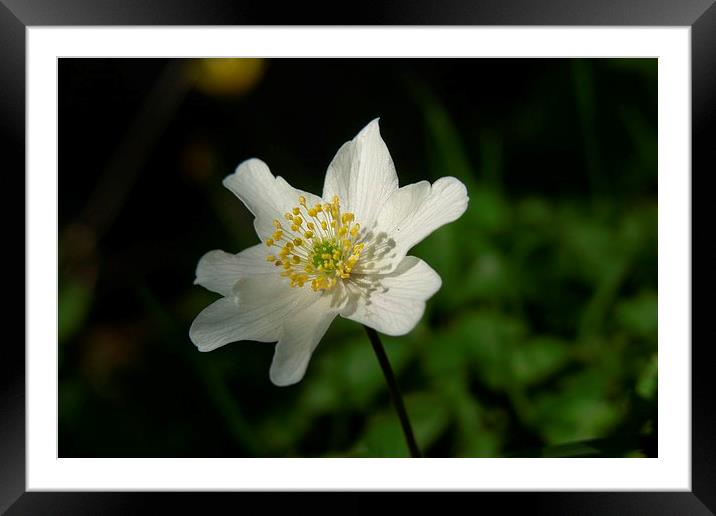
213 212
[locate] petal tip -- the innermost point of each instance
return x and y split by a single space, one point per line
280 380
247 163
248 166
194 338
372 128
456 189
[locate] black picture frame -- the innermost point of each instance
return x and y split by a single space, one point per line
699 15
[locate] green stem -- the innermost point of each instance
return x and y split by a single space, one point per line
394 391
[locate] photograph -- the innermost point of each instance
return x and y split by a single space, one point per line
357 257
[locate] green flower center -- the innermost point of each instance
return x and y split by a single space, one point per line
326 253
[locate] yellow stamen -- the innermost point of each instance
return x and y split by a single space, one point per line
320 251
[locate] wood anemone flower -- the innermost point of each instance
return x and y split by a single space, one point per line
343 253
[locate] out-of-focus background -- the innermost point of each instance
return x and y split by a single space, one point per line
541 342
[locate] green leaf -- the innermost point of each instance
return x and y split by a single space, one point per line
578 410
475 437
384 437
538 358
639 315
587 247
648 379
488 338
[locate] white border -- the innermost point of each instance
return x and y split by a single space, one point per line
671 470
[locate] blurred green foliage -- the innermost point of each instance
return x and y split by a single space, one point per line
541 342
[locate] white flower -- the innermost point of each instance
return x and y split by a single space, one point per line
340 254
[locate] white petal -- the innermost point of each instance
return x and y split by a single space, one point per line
410 215
256 310
362 174
266 196
219 271
301 334
393 303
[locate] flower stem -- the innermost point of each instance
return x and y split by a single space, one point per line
394 391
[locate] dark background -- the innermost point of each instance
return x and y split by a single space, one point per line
542 341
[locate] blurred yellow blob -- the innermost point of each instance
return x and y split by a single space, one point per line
228 77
